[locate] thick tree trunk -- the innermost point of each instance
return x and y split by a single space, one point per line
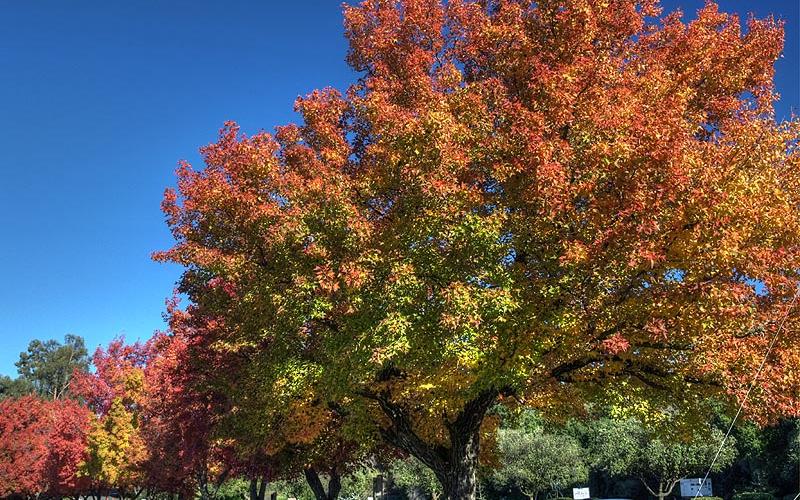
455 466
315 483
459 475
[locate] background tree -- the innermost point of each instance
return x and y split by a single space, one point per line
67 448
534 461
626 448
180 411
14 387
358 483
24 430
42 444
767 458
415 477
48 366
552 200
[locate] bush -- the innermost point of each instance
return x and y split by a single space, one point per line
753 495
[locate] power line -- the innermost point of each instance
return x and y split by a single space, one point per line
749 390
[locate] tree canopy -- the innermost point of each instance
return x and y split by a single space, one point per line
558 206
550 203
46 368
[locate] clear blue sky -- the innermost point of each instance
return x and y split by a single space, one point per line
98 100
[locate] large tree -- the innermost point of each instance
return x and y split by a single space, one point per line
46 368
548 201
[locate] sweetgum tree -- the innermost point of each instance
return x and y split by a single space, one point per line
216 413
42 446
116 451
180 411
542 202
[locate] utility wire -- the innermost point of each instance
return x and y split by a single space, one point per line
747 394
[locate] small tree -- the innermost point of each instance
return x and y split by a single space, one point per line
535 461
358 483
626 448
412 475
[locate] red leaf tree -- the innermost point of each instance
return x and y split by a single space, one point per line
550 202
42 444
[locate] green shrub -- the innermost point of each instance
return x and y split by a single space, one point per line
753 495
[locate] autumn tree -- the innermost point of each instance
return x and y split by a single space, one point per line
116 450
42 445
179 413
23 446
261 413
539 202
67 447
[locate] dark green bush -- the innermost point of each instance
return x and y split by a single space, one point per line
753 495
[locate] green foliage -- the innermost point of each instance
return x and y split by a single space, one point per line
294 488
753 495
233 489
627 448
358 484
412 475
769 457
534 461
48 366
791 465
14 387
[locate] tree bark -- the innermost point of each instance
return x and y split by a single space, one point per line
262 489
663 490
455 466
258 488
315 483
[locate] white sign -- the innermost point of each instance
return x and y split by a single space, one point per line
580 493
691 487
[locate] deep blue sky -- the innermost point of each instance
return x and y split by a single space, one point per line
98 100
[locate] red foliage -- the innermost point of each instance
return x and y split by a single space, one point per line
41 443
117 375
178 410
